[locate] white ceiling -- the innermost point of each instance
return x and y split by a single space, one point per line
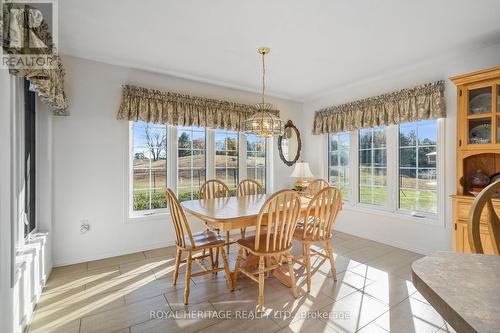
316 45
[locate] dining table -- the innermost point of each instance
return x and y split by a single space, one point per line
463 287
234 213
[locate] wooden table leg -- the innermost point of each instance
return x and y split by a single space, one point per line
228 240
216 264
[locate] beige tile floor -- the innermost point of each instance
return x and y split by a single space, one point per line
373 294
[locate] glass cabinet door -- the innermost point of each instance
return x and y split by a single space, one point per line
480 130
479 116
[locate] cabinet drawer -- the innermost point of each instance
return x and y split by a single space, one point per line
463 210
461 238
483 227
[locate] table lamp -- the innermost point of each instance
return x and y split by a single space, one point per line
302 172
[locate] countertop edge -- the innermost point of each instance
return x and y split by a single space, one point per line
444 309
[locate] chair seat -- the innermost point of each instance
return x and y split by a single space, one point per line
205 239
249 243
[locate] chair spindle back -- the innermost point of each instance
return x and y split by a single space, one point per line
279 216
321 214
249 187
315 186
179 220
213 188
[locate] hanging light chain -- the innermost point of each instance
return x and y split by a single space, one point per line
263 77
264 122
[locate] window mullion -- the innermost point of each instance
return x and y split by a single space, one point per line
326 173
392 167
242 156
210 154
130 194
354 171
172 146
440 168
417 166
269 165
372 166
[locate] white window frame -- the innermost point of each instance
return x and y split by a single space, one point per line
266 176
349 188
172 142
389 157
439 178
130 177
392 207
226 167
208 158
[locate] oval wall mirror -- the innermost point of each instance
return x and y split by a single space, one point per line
289 144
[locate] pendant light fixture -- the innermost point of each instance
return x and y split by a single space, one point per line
264 123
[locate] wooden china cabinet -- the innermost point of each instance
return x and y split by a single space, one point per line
478 148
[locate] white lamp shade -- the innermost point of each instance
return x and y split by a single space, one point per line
302 170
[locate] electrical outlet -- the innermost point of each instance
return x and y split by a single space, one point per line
84 226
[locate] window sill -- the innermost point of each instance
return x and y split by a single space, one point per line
148 217
156 217
403 215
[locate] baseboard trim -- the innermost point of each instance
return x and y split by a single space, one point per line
71 261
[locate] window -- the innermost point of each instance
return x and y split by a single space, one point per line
149 166
373 166
29 159
396 168
191 156
338 162
256 159
226 158
417 166
191 161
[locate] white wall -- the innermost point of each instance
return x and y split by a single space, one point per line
89 153
406 233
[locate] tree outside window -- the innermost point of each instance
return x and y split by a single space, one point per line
149 166
417 166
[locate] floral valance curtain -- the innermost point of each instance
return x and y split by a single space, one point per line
407 105
28 44
164 107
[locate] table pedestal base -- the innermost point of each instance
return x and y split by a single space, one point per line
252 263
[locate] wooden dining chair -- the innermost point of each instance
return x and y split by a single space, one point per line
276 224
474 223
314 187
190 243
317 228
249 187
211 189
